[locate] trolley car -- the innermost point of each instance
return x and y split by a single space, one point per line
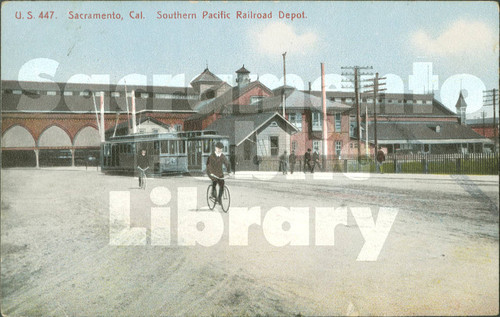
168 153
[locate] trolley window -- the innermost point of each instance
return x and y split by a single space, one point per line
172 147
206 145
164 147
182 146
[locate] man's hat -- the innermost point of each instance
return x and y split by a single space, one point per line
219 145
308 150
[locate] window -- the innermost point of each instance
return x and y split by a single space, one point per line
348 99
338 121
274 140
409 102
370 100
400 101
172 147
49 93
178 127
254 99
317 146
296 120
162 96
98 93
164 147
428 102
68 93
155 131
206 146
294 145
273 124
182 146
316 121
144 95
364 99
352 127
338 147
427 148
115 94
419 102
17 92
389 101
85 93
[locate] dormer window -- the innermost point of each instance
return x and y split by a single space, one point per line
438 129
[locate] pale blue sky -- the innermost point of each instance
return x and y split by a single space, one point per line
456 37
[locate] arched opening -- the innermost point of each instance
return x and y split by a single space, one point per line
18 137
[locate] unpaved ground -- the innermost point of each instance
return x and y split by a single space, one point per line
440 257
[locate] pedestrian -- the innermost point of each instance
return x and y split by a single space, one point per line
284 163
307 160
380 160
291 160
142 165
315 160
232 160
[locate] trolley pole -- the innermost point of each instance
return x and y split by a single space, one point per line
489 99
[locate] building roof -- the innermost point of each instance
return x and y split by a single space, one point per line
206 77
461 102
406 132
240 127
227 98
122 128
35 98
298 100
396 108
242 70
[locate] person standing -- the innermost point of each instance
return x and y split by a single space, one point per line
307 160
232 160
284 163
142 165
380 160
291 160
315 160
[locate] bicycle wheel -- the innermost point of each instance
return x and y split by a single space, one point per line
210 198
226 199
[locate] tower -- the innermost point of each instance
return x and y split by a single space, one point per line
461 108
242 77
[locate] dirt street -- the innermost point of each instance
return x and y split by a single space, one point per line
439 258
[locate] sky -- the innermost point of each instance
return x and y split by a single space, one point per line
420 47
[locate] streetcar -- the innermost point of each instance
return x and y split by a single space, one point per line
168 153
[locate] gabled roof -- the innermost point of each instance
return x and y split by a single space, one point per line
240 127
461 102
403 132
140 120
216 104
207 77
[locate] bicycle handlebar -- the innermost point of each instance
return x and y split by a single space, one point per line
212 175
142 169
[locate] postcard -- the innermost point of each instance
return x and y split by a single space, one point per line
234 158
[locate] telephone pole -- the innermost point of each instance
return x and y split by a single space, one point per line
375 90
284 83
489 99
356 80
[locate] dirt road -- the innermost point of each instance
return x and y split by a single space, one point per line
440 256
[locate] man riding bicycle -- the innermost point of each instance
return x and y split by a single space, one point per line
215 171
142 165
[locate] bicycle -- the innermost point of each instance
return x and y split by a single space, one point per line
225 199
142 177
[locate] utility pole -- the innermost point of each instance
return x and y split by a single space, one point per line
489 99
356 80
375 90
284 84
